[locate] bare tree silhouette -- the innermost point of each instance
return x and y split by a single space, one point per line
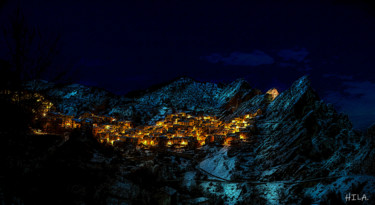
30 51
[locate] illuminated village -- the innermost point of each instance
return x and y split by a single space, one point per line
177 130
180 130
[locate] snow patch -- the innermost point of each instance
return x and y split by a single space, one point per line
68 95
230 192
189 181
220 164
272 192
343 186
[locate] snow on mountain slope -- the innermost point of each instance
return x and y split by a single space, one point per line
302 146
75 99
182 95
219 164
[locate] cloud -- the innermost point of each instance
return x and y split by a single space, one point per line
340 77
255 58
296 55
358 101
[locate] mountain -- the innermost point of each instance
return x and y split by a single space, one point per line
183 94
75 99
305 147
302 152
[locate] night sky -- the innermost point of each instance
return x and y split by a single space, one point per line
123 46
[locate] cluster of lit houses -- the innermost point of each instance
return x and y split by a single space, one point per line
179 130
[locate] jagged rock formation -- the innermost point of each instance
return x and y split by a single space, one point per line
298 127
302 138
184 94
303 150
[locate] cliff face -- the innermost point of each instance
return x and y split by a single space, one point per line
297 126
303 151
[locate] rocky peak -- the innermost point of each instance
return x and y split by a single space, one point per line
181 81
185 79
298 125
241 83
294 100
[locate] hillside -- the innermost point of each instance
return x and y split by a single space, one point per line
301 151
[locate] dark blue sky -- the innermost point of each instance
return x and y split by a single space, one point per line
123 46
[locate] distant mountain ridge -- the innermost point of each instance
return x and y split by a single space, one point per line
183 94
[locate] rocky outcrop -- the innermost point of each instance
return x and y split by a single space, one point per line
302 146
298 126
